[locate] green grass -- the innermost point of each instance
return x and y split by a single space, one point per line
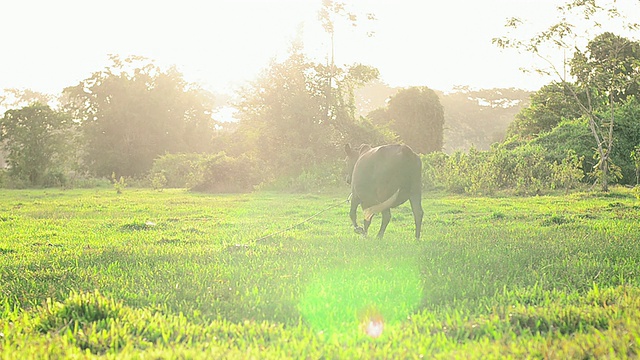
173 274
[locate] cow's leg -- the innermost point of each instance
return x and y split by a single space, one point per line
416 207
367 223
386 217
353 215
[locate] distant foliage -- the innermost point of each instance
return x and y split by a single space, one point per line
432 168
635 156
522 171
176 169
206 172
221 173
298 114
416 116
479 118
133 111
627 136
548 107
321 178
36 140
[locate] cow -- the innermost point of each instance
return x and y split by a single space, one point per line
381 178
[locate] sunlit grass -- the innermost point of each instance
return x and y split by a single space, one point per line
176 274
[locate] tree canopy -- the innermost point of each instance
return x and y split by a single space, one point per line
283 115
416 116
605 71
36 140
133 111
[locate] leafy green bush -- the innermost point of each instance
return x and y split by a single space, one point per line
221 173
567 173
321 177
159 181
177 169
432 166
523 169
454 172
635 156
206 172
531 171
118 183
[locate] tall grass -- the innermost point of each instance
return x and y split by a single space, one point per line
178 274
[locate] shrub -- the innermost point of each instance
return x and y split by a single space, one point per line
319 178
54 178
567 173
569 135
432 166
467 173
158 181
523 168
532 170
221 173
118 184
177 169
454 172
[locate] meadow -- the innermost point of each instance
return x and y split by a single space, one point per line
146 274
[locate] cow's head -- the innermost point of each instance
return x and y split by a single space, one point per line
352 156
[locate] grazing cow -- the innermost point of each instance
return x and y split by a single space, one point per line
381 178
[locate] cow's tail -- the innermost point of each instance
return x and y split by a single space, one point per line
370 211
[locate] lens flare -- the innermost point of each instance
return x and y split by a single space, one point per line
361 300
371 322
374 328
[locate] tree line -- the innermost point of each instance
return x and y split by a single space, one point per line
584 131
133 116
134 119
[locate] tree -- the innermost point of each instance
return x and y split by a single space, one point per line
549 106
133 111
283 115
608 71
604 73
329 12
34 138
416 116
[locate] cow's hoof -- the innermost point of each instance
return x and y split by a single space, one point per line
359 230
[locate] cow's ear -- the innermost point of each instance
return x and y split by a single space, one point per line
347 149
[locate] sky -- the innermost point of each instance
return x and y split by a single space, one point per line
223 44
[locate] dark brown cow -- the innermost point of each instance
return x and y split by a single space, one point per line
382 178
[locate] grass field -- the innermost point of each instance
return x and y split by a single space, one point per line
173 274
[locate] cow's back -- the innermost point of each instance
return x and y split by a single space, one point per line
382 171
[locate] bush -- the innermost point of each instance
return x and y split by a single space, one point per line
459 173
568 136
523 169
567 173
627 138
319 178
206 172
176 169
221 173
432 166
